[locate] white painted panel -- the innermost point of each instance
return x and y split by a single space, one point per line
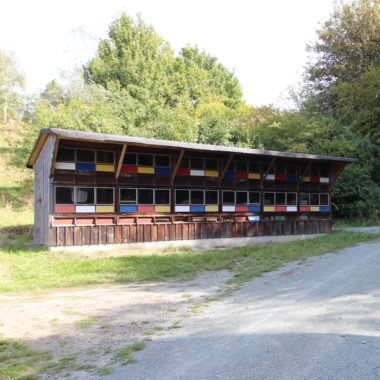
324 180
182 208
85 208
228 209
197 172
65 165
291 208
270 177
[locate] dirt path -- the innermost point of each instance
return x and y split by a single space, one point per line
319 320
89 325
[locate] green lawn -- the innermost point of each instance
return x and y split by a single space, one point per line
35 270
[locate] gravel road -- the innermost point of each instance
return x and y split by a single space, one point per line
318 320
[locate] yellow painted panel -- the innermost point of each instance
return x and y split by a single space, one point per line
314 208
105 168
269 209
254 176
211 208
306 179
162 208
105 209
211 173
145 170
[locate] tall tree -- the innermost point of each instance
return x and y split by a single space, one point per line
11 82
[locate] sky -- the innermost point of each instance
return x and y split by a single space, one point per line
262 42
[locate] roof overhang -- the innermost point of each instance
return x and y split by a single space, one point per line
167 144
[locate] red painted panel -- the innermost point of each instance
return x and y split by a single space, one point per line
64 208
241 175
126 220
241 208
184 172
280 177
104 221
128 169
280 208
80 221
314 179
304 208
61 222
145 209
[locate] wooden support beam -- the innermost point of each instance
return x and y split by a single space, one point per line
56 145
333 177
181 153
121 159
307 168
272 163
224 171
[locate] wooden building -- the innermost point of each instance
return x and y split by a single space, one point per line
93 188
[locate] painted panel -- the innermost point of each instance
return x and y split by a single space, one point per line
182 208
305 179
270 177
64 208
128 208
183 172
254 176
292 178
228 208
241 208
128 169
145 170
212 208
269 209
85 221
86 167
254 208
281 178
291 208
105 168
324 209
109 208
314 208
198 173
211 173
105 221
145 208
197 208
85 209
229 175
162 208
254 218
304 208
314 179
63 222
324 180
280 208
163 171
241 175
65 165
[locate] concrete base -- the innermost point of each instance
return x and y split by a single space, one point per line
199 244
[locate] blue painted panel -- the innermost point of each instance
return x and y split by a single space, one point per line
254 218
163 171
197 208
229 175
292 178
324 208
254 208
128 208
87 167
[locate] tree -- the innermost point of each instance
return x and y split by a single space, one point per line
11 82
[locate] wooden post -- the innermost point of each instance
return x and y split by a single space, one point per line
303 175
181 153
224 171
267 171
56 145
121 159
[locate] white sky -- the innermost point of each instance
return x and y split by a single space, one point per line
263 41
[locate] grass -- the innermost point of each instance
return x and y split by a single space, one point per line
125 354
38 270
86 322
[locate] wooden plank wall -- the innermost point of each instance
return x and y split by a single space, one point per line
43 192
117 234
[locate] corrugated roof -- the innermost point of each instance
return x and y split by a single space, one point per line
177 145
